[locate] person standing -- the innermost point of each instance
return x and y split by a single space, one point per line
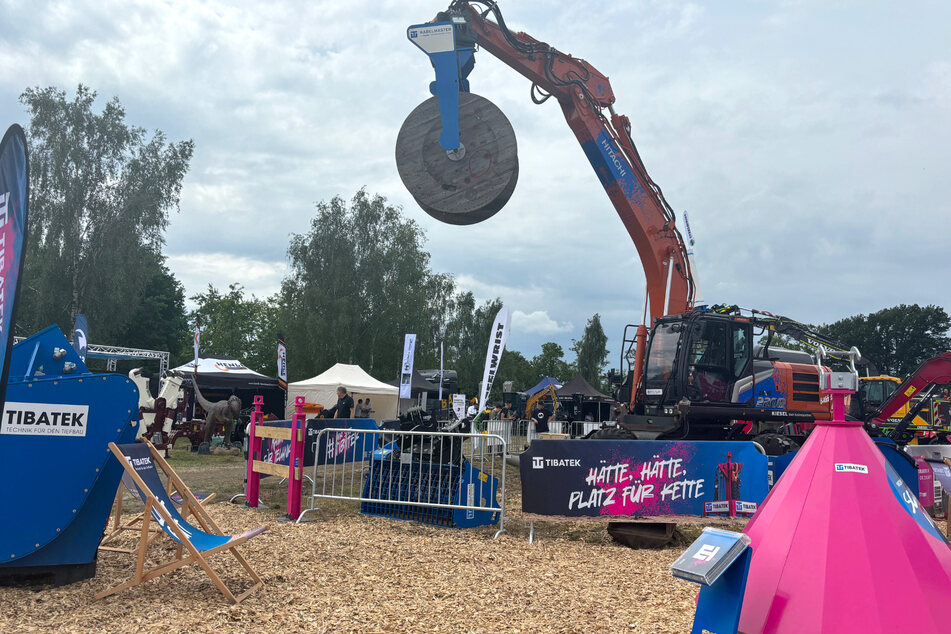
367 409
473 410
540 416
344 406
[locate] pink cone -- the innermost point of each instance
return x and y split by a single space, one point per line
845 551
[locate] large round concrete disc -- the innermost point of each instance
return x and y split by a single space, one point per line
465 191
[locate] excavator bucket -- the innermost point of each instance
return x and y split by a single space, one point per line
643 534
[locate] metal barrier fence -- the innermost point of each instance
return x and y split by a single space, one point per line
518 434
441 478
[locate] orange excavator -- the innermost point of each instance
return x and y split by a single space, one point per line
697 374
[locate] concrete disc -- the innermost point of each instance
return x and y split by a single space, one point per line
465 191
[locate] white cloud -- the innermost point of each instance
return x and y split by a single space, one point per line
538 322
770 137
197 270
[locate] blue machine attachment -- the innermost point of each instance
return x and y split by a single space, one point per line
59 478
451 50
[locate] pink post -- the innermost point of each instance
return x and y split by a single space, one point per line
296 463
253 486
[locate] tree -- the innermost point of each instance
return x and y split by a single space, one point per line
897 339
592 352
514 367
467 336
551 363
158 321
238 326
101 191
359 280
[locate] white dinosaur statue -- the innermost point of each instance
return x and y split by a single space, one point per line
170 388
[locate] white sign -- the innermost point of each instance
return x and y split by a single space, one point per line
848 467
44 419
432 38
459 405
406 370
706 553
500 332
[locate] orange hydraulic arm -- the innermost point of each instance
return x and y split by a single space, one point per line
934 371
584 94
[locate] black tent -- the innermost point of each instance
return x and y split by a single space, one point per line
220 376
592 402
419 385
578 385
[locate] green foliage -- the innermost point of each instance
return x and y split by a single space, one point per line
159 322
592 353
551 362
359 280
101 191
516 368
239 326
897 339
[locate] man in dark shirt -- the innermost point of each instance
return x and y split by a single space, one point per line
344 406
541 416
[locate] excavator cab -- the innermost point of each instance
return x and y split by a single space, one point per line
698 356
704 379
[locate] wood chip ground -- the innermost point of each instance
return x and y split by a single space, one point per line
351 573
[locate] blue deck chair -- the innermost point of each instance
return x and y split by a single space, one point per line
139 461
120 525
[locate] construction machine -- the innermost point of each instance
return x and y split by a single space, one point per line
698 375
549 390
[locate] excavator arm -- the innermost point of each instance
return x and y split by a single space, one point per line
586 99
934 371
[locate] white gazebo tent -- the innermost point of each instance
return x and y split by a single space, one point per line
322 390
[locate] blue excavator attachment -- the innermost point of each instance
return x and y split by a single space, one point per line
59 478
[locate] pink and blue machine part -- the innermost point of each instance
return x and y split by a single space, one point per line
841 543
59 477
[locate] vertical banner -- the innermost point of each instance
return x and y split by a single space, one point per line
14 197
197 340
282 366
500 332
406 371
81 336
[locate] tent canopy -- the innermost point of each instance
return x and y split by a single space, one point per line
548 380
578 385
216 372
322 390
220 376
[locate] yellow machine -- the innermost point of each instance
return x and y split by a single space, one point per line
875 390
537 396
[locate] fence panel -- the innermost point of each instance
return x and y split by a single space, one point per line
441 478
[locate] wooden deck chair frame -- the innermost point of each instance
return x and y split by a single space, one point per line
194 556
119 526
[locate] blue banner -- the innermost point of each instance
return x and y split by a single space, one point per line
14 197
639 478
81 336
335 447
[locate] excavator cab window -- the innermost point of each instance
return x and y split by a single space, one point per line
742 352
661 356
709 366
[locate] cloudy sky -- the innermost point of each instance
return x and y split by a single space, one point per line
808 140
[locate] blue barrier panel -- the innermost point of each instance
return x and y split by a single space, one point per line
343 446
641 478
421 482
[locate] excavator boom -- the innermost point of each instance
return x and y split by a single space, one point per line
934 371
